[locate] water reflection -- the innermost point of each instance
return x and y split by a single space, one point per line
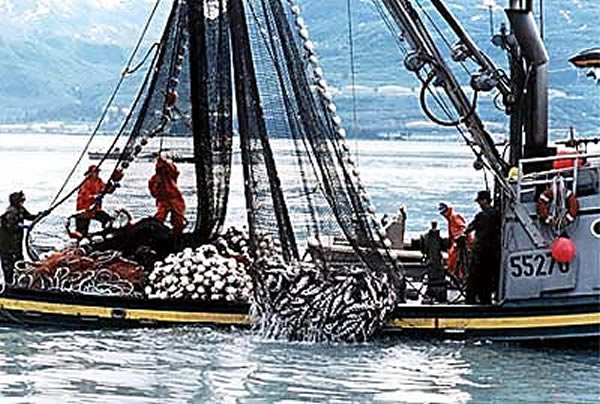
204 365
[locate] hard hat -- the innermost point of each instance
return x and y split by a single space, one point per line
483 196
91 169
442 207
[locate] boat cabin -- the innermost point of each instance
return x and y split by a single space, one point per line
529 269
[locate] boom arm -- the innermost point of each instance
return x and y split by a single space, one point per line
425 53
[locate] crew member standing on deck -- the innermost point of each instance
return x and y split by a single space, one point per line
169 200
12 225
456 227
89 199
485 262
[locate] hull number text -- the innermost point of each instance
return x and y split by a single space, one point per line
538 264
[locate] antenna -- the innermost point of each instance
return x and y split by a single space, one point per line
353 77
491 8
542 19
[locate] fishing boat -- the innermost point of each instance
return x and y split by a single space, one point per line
589 58
541 293
533 300
176 155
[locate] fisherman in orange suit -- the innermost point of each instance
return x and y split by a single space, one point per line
456 227
89 200
163 187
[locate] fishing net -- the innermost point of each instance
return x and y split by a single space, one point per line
76 271
302 183
211 97
188 93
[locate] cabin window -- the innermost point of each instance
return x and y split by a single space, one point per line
596 228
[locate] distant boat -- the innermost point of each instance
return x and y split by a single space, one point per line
394 136
177 155
587 59
99 155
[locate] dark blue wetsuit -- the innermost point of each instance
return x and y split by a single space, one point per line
483 271
12 224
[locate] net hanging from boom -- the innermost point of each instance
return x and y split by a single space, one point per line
188 93
301 182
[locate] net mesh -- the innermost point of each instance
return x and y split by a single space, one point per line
293 106
188 93
301 185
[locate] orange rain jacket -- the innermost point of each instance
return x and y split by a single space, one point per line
86 196
456 227
163 187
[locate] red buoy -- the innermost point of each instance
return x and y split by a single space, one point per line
563 250
172 97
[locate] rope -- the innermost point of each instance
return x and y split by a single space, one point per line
425 88
143 62
111 99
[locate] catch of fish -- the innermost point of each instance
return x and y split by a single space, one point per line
312 302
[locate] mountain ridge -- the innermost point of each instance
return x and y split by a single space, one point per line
59 59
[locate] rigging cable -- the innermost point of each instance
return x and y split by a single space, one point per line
398 39
441 34
111 99
353 77
28 234
542 19
55 203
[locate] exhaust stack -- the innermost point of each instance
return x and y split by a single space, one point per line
534 51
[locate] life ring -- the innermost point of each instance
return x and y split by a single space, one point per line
543 206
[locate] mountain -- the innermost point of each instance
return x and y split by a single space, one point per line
60 59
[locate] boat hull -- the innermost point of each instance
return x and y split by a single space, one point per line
524 321
518 322
33 308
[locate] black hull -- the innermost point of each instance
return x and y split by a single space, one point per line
571 320
36 308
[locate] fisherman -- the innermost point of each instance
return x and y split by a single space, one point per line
395 227
89 199
456 227
169 200
483 271
12 225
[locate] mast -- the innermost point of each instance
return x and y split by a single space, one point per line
534 113
536 57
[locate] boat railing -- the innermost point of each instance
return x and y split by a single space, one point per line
527 183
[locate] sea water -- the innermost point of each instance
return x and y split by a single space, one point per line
204 365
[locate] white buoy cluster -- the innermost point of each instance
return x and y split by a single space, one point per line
211 272
327 98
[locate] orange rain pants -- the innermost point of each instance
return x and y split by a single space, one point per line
456 227
169 200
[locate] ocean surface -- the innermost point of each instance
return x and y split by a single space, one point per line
203 365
